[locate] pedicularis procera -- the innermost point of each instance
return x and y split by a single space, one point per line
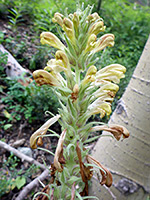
83 90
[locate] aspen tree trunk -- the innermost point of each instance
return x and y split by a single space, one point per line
129 160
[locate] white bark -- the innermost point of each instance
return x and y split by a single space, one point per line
129 160
13 68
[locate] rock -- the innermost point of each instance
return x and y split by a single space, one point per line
25 150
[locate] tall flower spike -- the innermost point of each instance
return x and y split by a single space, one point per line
42 131
52 40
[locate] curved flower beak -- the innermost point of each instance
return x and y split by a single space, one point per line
52 40
42 131
116 130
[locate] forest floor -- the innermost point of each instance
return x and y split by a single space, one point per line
20 132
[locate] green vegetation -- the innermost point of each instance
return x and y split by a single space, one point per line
11 177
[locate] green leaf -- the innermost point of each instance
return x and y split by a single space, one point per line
73 179
20 181
7 126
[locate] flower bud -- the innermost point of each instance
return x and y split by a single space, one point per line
68 23
68 28
76 89
93 17
91 70
52 40
97 28
75 20
91 43
58 18
60 55
74 94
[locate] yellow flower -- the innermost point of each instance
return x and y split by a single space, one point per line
68 28
91 43
93 17
104 41
112 72
60 55
100 106
106 88
43 77
96 28
91 70
58 18
52 40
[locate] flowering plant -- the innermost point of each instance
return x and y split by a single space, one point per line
83 90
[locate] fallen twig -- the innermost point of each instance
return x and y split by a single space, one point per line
32 184
21 155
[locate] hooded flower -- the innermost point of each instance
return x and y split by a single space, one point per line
42 131
100 106
58 18
113 72
104 41
43 77
97 28
68 28
52 40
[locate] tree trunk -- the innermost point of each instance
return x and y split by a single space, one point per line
14 70
129 160
99 5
